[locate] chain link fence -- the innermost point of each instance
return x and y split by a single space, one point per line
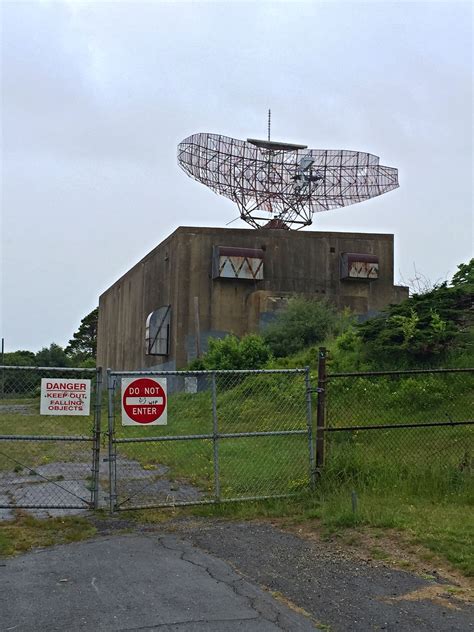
236 435
48 461
411 431
230 435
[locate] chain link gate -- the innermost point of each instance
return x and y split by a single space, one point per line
47 462
230 436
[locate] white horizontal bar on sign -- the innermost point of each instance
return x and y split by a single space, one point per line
144 401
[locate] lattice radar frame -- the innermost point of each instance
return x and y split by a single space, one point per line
288 185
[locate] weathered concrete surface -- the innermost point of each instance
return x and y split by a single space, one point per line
136 582
60 484
56 484
16 409
179 269
5 513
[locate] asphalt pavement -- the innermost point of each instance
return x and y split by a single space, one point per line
215 575
344 593
140 581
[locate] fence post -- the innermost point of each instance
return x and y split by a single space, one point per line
215 436
321 409
3 369
111 432
96 438
309 421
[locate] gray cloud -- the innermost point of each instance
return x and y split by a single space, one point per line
97 95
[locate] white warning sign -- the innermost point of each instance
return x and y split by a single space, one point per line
60 396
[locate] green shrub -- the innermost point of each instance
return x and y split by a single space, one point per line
230 353
425 327
303 323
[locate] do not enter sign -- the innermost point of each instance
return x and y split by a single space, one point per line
144 401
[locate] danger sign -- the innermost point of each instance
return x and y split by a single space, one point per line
144 401
62 396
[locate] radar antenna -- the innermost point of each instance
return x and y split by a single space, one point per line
282 185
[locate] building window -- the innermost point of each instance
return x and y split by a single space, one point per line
157 333
237 263
358 266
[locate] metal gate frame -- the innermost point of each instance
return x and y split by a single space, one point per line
93 438
215 436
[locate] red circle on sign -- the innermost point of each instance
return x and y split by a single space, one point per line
144 400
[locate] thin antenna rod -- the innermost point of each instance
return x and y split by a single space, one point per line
269 123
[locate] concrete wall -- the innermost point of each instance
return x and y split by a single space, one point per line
180 268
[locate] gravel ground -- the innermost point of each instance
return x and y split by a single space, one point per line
344 593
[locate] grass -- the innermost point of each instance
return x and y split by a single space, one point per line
262 465
408 399
18 456
443 528
419 480
26 532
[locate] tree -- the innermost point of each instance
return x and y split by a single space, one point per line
83 344
54 355
20 358
464 276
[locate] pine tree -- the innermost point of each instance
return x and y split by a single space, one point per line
83 344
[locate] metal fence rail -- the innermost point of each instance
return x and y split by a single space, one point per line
409 430
47 462
231 435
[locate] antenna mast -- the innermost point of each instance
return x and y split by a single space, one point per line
269 123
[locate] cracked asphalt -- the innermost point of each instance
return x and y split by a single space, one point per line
135 582
346 594
191 574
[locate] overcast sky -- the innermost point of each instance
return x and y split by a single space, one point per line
96 96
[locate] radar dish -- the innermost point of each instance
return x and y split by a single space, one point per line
281 184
